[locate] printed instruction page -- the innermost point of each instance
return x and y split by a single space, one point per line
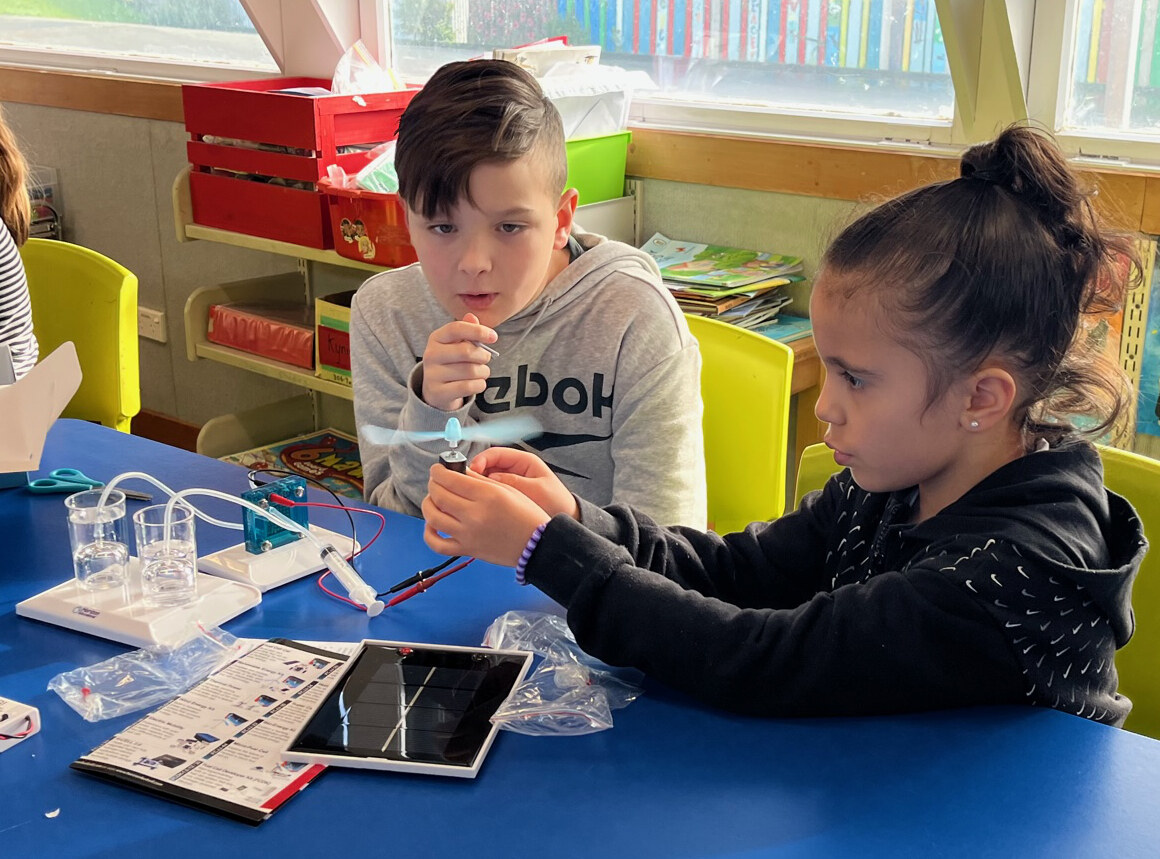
223 740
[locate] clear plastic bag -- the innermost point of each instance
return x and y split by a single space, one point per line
144 678
379 174
568 692
357 72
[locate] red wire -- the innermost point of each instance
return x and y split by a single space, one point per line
417 589
280 499
327 590
382 519
19 735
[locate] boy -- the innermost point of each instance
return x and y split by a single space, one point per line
589 341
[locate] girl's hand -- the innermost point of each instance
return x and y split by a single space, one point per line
530 475
454 368
469 514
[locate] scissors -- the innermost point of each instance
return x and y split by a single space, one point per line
72 480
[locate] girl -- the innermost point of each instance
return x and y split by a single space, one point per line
15 309
968 553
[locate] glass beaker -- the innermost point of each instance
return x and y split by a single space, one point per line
168 554
98 535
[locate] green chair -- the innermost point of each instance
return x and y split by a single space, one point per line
745 386
80 295
1136 478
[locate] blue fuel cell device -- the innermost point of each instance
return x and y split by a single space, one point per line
262 535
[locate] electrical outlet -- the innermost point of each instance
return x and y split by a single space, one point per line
151 324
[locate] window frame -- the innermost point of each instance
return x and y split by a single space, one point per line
1048 86
1032 42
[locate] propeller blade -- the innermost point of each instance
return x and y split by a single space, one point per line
502 430
497 431
382 435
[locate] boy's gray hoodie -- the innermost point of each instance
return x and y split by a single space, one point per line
602 359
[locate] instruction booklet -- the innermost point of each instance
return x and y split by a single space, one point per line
220 746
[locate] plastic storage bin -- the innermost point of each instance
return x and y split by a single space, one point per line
596 166
254 128
368 226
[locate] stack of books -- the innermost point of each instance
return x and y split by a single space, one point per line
732 284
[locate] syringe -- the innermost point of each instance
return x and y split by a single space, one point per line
358 590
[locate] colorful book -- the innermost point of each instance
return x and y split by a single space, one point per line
328 457
689 290
717 266
786 328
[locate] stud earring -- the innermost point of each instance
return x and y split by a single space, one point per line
974 424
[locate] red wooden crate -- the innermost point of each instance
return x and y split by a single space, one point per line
315 126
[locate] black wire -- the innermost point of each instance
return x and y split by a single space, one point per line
419 576
319 484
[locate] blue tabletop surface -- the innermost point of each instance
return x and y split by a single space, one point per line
672 779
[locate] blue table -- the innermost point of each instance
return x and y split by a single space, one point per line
672 779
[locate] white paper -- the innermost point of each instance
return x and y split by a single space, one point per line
29 407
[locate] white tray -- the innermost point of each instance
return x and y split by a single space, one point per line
278 566
105 613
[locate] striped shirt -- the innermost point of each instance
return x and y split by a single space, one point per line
15 307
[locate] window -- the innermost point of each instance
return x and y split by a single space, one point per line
1095 77
111 34
1114 80
853 59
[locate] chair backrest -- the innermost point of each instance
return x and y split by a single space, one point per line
745 386
815 467
1137 478
80 295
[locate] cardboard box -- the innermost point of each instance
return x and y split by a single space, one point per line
332 337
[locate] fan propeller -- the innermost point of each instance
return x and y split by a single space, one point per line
498 431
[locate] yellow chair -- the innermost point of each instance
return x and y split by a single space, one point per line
745 386
1136 478
80 295
815 467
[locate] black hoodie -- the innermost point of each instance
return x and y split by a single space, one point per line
1018 593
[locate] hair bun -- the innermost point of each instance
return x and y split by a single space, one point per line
1026 162
983 172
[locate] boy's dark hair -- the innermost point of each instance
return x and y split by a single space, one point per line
472 113
1011 260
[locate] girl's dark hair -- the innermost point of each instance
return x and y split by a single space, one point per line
467 114
1009 260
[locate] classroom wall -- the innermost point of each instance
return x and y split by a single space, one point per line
116 175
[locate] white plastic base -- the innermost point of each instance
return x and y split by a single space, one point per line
278 566
120 615
17 722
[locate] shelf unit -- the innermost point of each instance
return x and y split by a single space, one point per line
274 287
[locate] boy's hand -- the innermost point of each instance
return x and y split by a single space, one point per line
530 475
454 368
469 514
